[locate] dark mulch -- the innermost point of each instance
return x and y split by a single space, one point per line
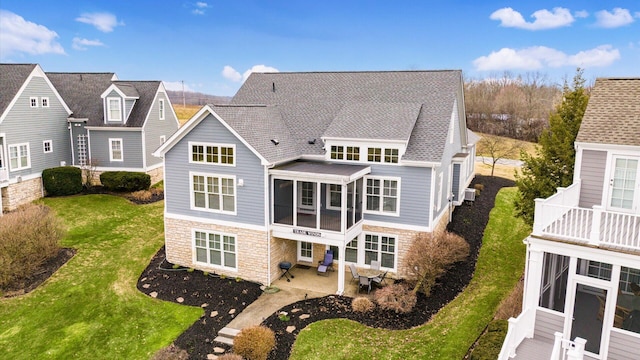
156 194
43 272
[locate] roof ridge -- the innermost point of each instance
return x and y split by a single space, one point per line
356 71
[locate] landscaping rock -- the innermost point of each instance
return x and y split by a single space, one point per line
213 314
290 329
153 294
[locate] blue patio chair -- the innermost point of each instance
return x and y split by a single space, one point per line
326 264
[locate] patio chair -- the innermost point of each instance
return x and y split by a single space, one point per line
375 265
378 280
354 272
364 281
325 264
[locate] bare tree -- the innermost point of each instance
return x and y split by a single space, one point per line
493 148
89 172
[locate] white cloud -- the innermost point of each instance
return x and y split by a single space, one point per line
230 73
544 19
619 17
202 4
258 68
176 86
200 8
537 57
21 36
81 44
104 22
581 14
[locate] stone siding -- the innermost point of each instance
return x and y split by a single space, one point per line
282 250
21 193
251 249
156 174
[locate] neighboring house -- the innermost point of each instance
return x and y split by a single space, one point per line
583 255
79 119
33 132
300 163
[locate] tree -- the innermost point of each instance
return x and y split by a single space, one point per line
493 148
552 166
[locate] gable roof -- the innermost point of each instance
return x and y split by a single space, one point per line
81 91
147 92
309 103
613 113
12 77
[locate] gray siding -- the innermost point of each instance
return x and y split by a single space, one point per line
154 128
450 149
25 124
128 105
131 147
415 187
249 198
592 176
456 182
547 324
623 346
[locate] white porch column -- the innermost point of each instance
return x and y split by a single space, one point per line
594 236
341 265
533 279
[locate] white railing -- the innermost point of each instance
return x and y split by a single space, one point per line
564 349
564 199
519 328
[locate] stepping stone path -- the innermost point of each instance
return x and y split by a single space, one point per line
304 316
218 350
290 329
204 305
153 294
213 314
232 311
211 357
146 286
295 310
180 300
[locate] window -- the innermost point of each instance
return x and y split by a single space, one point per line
115 150
19 157
374 155
215 249
45 102
163 139
114 112
382 195
381 248
351 251
353 153
594 269
553 287
337 152
161 108
628 300
628 276
391 156
33 102
307 194
213 192
47 146
213 154
334 197
306 251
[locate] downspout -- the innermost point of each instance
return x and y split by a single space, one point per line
267 219
73 154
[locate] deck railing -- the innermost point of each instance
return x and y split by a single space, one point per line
560 216
518 329
564 349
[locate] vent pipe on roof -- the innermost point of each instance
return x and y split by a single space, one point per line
273 87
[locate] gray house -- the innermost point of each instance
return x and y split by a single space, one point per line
79 119
300 163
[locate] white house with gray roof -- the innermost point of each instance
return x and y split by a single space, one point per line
301 163
55 119
581 295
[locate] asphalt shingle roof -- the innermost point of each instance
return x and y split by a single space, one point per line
146 91
12 77
310 102
613 113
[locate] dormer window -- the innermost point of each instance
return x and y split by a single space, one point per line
353 153
114 110
391 156
374 155
337 152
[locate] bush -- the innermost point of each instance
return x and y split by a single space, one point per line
125 181
62 181
28 237
145 195
396 297
229 357
511 306
478 187
171 352
254 342
362 304
490 343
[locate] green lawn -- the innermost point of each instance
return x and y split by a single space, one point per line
453 330
91 309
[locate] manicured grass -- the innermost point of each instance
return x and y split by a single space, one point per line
450 333
91 309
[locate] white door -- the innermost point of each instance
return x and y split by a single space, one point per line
588 317
623 184
307 196
305 251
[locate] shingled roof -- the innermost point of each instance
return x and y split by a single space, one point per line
12 77
613 113
310 103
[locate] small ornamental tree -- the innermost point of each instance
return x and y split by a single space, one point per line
430 255
553 165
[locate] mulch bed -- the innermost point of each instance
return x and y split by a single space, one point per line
45 271
224 298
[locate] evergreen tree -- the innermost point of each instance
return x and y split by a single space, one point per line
552 167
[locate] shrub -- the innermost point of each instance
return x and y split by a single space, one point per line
125 181
254 342
430 255
490 342
171 352
511 306
62 181
478 187
229 357
28 237
396 297
362 304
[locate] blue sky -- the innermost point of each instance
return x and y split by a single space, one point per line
213 45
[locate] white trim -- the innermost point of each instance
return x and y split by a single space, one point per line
209 221
44 146
105 128
216 145
115 87
155 166
111 142
398 226
328 197
381 196
414 163
206 209
120 109
33 100
581 251
222 251
18 145
299 256
161 109
606 147
362 250
43 100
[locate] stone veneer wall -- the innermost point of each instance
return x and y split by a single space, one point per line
405 238
251 249
21 193
156 174
281 250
